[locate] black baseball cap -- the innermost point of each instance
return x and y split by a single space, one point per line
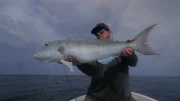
98 27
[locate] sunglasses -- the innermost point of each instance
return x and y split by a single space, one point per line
101 32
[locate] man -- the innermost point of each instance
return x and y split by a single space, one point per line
109 82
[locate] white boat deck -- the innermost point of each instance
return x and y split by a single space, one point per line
137 96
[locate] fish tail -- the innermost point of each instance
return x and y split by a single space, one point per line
139 43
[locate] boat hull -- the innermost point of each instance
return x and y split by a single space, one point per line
136 96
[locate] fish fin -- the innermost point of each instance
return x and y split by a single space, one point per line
90 40
139 43
106 60
80 38
69 65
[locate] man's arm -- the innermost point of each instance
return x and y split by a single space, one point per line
88 69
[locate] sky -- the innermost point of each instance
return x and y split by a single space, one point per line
25 25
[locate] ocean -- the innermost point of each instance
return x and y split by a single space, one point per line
57 88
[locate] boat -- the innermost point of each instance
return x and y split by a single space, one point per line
137 97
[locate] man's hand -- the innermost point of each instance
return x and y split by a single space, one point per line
127 51
70 59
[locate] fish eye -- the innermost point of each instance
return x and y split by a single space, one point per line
46 44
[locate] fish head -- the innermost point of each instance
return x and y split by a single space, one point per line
46 52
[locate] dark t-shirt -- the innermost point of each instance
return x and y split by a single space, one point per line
109 82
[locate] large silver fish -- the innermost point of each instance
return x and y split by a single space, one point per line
86 50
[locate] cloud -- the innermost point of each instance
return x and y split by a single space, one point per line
23 20
43 20
9 38
39 21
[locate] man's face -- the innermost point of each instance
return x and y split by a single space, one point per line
103 34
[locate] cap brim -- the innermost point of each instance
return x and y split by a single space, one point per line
95 29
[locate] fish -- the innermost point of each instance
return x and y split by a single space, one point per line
88 50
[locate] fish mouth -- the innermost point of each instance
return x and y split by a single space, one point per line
36 56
